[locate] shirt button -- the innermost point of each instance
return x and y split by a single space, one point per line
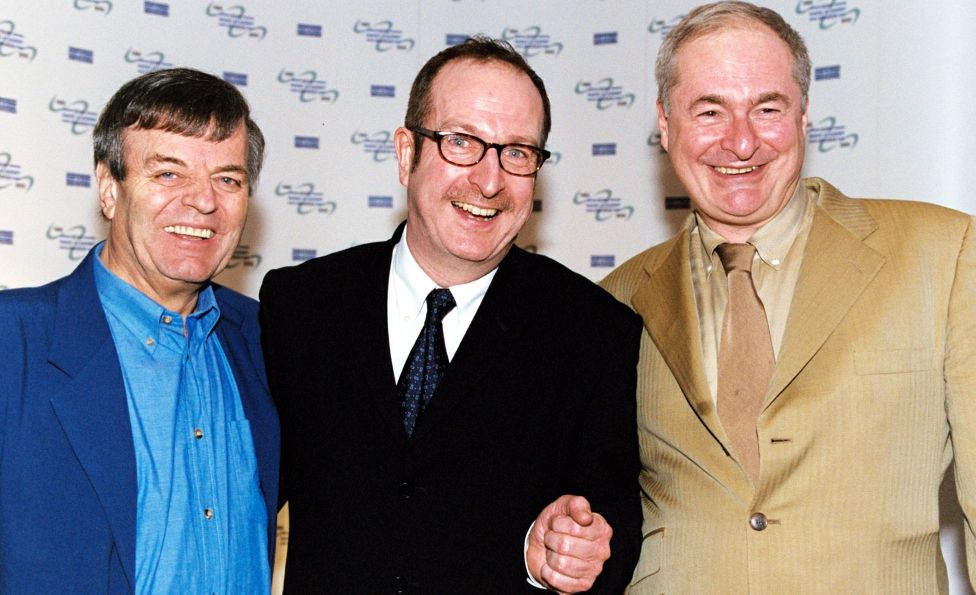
758 521
406 490
198 433
167 319
400 585
208 513
150 342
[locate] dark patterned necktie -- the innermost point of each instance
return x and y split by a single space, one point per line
427 362
745 357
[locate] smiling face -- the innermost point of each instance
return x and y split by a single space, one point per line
178 215
463 220
737 128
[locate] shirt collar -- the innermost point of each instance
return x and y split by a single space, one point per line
411 284
146 319
773 240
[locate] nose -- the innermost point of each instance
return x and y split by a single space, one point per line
488 174
202 197
741 139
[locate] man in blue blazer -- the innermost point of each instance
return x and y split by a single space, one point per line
138 442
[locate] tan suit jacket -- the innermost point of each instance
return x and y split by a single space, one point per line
874 392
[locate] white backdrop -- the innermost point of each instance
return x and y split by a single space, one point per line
328 82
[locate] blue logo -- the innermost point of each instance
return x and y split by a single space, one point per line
383 36
306 30
81 55
307 86
236 78
375 201
305 199
159 9
236 20
243 257
75 113
605 94
602 261
10 175
306 142
74 240
147 61
303 254
531 41
536 205
604 205
378 144
8 104
7 237
382 91
828 12
103 6
675 203
600 149
608 38
828 135
825 73
663 26
12 43
455 38
80 180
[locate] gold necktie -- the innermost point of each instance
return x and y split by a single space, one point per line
745 357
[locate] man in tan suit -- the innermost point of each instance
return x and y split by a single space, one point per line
871 310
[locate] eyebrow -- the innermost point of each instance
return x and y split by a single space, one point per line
720 100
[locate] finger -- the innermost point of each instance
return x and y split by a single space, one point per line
597 529
579 509
563 544
563 583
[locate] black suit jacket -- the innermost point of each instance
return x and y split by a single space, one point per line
538 401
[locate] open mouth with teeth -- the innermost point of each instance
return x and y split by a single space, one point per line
190 232
484 214
735 170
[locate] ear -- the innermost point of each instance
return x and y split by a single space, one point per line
108 189
403 145
803 118
662 125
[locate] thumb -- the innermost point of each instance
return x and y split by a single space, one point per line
579 510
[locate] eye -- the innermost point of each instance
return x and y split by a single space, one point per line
516 153
708 113
167 178
457 141
230 182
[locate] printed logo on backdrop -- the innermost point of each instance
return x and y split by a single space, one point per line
11 175
159 9
603 205
828 13
661 26
826 73
236 20
75 114
605 94
78 180
309 30
81 55
602 261
301 255
102 6
12 43
383 36
8 104
377 144
828 135
654 140
531 41
605 38
74 240
244 257
379 201
307 86
6 239
306 142
147 61
305 198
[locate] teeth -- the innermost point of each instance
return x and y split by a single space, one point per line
735 170
476 211
184 230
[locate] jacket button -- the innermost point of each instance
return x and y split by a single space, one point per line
400 585
758 521
406 490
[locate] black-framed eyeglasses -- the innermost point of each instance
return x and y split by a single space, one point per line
466 150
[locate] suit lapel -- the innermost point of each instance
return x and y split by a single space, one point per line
92 407
837 267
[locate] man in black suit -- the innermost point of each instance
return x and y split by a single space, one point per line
531 427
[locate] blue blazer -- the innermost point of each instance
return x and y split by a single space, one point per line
67 462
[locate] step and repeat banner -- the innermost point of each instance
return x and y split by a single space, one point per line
328 84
